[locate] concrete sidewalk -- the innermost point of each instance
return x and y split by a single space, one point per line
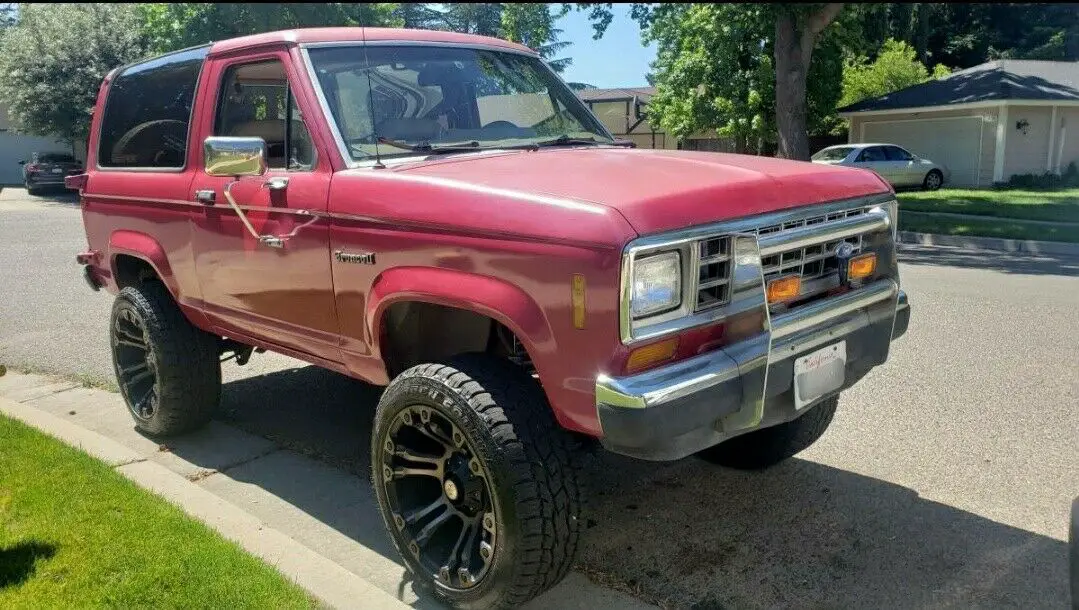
317 524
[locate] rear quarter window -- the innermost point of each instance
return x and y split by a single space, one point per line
148 112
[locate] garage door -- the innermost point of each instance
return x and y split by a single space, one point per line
16 147
954 143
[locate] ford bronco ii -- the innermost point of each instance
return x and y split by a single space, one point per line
440 214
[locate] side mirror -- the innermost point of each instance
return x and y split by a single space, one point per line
22 162
234 157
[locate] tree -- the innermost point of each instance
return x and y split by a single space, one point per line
896 67
798 27
533 26
53 60
714 61
183 24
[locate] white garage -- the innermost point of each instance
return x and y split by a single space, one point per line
16 147
952 142
985 124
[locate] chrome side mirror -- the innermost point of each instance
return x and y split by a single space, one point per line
228 156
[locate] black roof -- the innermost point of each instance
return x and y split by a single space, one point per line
1005 79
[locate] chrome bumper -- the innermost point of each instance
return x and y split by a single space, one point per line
672 411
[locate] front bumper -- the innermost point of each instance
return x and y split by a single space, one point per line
673 411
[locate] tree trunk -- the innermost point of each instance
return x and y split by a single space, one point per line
795 38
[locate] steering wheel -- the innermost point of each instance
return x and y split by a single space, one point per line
503 124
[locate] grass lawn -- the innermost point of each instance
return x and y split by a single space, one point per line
76 534
986 226
1053 205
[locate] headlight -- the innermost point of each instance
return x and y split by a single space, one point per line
657 284
892 207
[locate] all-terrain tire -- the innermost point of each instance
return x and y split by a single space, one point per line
770 446
530 462
933 180
184 362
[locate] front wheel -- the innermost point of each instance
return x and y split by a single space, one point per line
933 180
770 446
476 482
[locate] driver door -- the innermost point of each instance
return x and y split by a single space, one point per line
279 295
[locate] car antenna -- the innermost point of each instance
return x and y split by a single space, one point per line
370 97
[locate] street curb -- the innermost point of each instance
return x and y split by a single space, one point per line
989 243
326 580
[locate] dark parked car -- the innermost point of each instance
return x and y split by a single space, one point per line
48 169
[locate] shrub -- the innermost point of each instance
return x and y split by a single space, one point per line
1069 178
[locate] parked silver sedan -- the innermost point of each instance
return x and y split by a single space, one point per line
894 163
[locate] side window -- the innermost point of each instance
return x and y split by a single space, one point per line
897 154
256 101
872 154
148 112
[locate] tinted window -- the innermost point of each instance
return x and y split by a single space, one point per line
256 101
871 154
897 154
55 158
148 111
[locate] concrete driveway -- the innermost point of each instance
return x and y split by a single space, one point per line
945 480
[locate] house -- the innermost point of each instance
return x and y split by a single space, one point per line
985 123
16 147
624 111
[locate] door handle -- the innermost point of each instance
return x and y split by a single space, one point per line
206 196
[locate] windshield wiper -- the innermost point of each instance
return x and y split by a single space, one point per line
566 140
427 147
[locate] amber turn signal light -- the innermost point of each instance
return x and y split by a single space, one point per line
644 357
862 266
784 288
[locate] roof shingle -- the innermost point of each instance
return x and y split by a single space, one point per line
1005 79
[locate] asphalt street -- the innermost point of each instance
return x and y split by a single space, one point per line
945 480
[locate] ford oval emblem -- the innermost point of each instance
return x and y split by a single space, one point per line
844 250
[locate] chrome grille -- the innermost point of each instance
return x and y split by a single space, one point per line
812 262
816 264
713 272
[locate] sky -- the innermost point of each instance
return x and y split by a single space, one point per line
616 60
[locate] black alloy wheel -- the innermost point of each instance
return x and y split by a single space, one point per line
440 497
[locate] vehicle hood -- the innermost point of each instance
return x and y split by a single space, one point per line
655 190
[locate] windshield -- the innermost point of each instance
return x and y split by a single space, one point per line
441 97
833 154
55 158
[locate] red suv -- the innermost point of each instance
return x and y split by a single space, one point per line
438 213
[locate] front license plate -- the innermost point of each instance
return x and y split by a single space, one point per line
818 373
57 170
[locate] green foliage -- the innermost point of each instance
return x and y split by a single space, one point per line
715 70
1069 178
896 67
184 24
533 26
53 60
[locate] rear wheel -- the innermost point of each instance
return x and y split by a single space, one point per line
933 180
168 370
770 446
31 189
476 482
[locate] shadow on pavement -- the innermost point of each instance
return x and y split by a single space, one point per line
1020 263
692 535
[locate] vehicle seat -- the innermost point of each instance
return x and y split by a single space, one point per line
273 132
